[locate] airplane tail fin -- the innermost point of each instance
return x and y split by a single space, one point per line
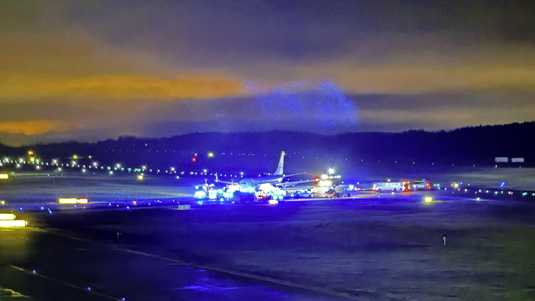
280 167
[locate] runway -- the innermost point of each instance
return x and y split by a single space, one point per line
43 265
384 247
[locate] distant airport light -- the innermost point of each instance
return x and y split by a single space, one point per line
428 200
31 152
211 154
3 203
140 177
75 157
501 159
7 216
184 207
72 201
19 223
517 160
331 171
4 176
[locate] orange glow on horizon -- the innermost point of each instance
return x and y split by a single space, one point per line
33 127
124 87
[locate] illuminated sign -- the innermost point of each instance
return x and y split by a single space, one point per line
273 202
19 223
72 201
8 220
428 200
7 216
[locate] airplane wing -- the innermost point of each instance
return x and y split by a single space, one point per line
294 174
294 183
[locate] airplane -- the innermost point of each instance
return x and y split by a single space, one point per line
275 179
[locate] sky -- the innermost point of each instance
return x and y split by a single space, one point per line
89 70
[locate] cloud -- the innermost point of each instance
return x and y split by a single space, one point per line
121 87
95 69
30 128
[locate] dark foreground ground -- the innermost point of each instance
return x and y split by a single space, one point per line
366 249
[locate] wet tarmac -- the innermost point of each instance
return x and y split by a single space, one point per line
384 248
36 265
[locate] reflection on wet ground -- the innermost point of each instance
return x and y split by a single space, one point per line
37 265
